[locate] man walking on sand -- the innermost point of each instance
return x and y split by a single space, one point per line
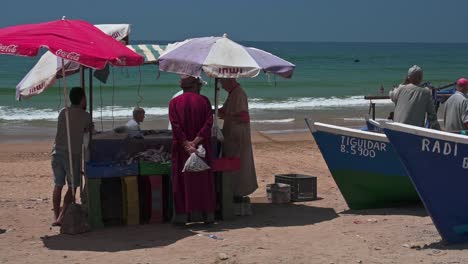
80 122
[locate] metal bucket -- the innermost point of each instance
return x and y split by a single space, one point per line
278 193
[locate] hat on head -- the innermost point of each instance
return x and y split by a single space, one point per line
462 82
187 80
415 69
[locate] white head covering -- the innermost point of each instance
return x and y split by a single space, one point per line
415 69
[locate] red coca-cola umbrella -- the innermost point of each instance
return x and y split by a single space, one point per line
73 40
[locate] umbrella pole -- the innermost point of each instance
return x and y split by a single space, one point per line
82 77
83 86
90 110
67 122
90 97
216 105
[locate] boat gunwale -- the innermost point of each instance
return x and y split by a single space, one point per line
426 132
350 132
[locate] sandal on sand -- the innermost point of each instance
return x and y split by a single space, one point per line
56 224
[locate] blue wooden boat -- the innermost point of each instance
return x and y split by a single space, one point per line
437 163
364 166
373 125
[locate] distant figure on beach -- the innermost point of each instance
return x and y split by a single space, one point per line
133 125
414 103
237 143
456 108
191 118
80 122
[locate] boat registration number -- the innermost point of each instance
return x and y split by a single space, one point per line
361 147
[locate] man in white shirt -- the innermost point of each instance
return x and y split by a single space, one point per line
133 125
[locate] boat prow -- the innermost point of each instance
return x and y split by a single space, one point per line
364 167
437 163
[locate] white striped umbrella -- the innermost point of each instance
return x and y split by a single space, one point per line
44 74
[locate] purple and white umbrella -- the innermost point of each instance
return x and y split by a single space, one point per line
220 57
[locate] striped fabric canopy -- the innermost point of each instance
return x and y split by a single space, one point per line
150 52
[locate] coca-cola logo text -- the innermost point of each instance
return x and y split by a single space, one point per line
73 56
8 48
116 34
37 88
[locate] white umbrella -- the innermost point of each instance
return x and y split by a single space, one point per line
44 74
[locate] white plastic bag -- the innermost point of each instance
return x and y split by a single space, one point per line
216 131
195 162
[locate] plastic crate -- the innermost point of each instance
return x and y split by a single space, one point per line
101 170
303 187
111 201
94 203
157 206
131 210
150 168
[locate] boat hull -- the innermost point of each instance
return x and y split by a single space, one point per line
437 163
364 167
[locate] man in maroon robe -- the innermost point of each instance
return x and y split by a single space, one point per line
191 118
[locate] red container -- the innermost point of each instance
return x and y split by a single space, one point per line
226 164
156 199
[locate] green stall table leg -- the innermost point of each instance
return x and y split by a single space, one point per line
94 203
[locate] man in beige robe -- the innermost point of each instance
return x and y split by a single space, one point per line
237 142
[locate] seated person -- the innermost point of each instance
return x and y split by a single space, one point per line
133 125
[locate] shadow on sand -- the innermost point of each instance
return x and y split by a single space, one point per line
442 245
276 215
113 239
122 238
413 210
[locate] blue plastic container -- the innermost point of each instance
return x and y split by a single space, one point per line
100 170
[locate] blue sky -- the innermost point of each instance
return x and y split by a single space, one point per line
273 20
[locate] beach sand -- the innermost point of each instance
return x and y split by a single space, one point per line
322 231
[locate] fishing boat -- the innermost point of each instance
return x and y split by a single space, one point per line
373 125
437 163
364 166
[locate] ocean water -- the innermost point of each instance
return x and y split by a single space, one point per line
329 83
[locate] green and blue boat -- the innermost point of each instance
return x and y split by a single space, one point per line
364 166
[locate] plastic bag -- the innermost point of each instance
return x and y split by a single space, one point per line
195 162
216 131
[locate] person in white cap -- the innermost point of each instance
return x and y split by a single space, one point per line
456 108
413 104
